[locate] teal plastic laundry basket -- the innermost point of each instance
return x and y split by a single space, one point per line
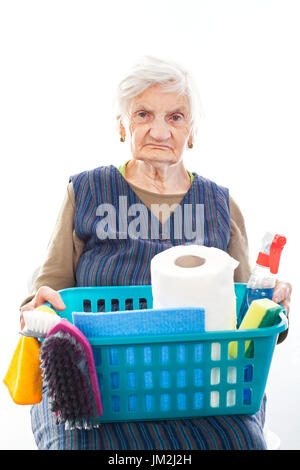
145 378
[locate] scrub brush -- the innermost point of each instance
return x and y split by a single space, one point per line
37 325
67 364
68 368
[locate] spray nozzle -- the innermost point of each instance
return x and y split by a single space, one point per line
271 252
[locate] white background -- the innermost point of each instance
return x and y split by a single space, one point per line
60 63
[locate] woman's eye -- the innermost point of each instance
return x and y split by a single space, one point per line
176 117
142 114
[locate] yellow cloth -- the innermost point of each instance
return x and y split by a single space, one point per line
24 376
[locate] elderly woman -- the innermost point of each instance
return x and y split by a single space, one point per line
158 113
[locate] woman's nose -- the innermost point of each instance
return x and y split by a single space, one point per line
159 130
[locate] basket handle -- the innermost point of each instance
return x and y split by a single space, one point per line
283 317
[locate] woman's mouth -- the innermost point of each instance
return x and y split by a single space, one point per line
162 147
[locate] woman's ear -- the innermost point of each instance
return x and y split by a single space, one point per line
121 130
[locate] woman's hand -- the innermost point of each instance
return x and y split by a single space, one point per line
44 294
282 295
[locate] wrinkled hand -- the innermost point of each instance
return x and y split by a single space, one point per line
44 294
282 295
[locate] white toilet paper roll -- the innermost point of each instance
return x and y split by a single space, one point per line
196 276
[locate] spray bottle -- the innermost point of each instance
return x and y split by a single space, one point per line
263 277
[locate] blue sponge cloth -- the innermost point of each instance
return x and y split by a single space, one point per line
145 322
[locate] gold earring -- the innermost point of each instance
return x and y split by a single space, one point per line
190 145
122 139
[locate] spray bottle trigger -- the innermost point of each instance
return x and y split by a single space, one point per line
275 252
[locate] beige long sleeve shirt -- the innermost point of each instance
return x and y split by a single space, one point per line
65 248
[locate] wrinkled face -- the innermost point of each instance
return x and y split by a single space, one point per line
159 124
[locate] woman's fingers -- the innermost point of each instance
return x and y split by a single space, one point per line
28 306
282 294
46 294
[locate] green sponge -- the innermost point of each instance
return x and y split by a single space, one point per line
261 313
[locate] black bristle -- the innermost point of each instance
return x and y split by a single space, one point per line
66 373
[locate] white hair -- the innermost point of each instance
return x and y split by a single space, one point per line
149 71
